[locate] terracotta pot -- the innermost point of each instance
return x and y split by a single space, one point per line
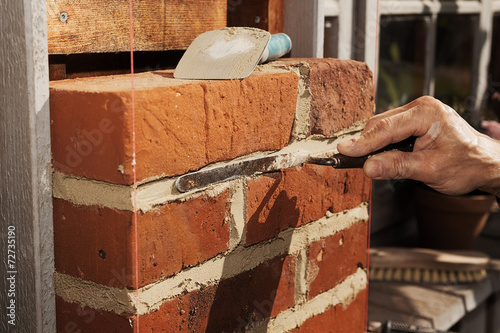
450 222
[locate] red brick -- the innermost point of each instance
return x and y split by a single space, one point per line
180 125
247 298
341 94
339 319
97 243
74 318
334 258
298 196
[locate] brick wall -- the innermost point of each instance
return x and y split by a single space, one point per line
284 251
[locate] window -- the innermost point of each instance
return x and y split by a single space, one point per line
420 47
401 60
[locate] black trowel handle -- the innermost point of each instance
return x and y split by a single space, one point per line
340 161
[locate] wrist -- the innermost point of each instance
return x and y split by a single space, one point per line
491 166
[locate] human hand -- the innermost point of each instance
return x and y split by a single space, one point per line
449 155
492 128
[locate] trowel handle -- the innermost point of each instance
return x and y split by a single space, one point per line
279 45
340 161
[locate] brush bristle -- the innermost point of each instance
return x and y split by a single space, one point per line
426 276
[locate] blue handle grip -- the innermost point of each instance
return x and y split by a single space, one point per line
279 45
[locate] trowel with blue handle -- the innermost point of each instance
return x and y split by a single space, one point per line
230 53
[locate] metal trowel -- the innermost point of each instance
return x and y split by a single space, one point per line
275 162
230 53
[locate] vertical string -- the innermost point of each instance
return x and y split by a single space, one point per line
134 171
370 200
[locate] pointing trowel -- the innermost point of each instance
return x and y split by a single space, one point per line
275 162
230 53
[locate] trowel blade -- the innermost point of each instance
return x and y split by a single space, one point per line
244 168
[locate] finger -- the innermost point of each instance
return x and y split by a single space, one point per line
373 121
487 124
395 165
388 130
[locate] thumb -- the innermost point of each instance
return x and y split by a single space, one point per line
391 165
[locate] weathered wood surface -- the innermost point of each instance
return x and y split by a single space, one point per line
92 26
27 254
436 306
263 14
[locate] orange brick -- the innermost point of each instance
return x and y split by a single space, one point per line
248 298
334 258
339 319
180 125
96 243
298 196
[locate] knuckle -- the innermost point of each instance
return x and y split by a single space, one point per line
400 167
427 100
385 125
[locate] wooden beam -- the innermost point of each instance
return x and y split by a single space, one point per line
91 26
26 242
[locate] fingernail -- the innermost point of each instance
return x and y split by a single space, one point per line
373 168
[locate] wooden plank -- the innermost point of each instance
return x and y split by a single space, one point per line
26 193
263 14
276 16
90 26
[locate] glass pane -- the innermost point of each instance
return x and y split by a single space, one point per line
401 60
454 59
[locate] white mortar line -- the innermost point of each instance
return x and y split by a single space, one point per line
240 260
82 191
342 294
93 295
301 276
237 211
324 227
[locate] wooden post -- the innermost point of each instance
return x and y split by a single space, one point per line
371 29
345 29
305 24
26 240
482 52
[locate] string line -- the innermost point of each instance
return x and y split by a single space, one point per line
134 170
370 199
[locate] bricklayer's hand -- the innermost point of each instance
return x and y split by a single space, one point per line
449 155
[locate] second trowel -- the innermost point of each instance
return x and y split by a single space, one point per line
230 53
275 162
